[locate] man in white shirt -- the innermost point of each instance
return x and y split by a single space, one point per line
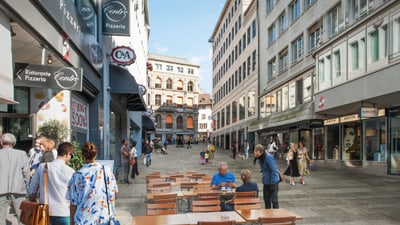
59 174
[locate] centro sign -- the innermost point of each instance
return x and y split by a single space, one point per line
123 55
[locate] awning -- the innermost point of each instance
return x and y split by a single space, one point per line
123 82
147 123
133 125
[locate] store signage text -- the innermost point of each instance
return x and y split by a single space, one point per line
79 114
349 118
368 112
116 17
331 121
43 76
123 55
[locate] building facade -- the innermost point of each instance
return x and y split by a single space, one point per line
205 123
42 39
173 97
326 78
235 73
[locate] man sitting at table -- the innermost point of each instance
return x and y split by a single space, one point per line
223 181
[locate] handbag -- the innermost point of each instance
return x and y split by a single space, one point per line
113 221
132 161
35 213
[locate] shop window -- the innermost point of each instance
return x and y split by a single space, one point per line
332 142
351 142
375 139
319 149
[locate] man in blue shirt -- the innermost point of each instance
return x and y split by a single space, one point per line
270 177
223 180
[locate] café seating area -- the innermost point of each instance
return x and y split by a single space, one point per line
187 198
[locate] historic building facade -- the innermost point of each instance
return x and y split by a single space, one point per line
173 96
205 123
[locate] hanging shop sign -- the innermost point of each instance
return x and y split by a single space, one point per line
123 55
116 17
331 121
44 76
368 112
142 89
349 118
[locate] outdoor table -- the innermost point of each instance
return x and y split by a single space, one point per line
215 216
173 219
252 215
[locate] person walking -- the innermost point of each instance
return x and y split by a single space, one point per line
246 148
304 159
270 176
15 174
134 155
234 150
87 191
35 155
147 150
292 170
125 154
59 174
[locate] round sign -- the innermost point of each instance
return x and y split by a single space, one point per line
148 112
123 55
142 89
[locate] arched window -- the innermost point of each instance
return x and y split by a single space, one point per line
169 83
179 86
158 121
168 121
179 102
190 86
179 122
158 83
189 123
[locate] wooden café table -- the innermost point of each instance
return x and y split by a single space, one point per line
187 219
252 215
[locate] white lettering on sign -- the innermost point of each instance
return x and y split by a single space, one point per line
79 114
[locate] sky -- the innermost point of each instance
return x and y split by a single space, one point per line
181 28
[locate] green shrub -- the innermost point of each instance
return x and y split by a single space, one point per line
55 130
77 161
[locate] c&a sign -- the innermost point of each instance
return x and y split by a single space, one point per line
123 55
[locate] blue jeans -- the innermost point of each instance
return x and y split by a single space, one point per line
59 220
270 192
148 160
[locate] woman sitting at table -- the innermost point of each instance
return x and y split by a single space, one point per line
247 186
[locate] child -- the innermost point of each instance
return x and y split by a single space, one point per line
202 156
207 156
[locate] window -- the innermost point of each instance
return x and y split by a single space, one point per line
234 111
158 66
361 8
374 40
253 24
170 68
271 68
158 83
282 23
248 66
169 83
190 103
189 123
158 121
190 71
179 103
179 85
285 98
228 114
308 3
292 95
179 122
283 60
190 86
271 34
321 70
307 91
169 100
242 112
168 122
203 116
336 58
254 56
294 10
297 50
244 70
355 56
222 117
251 102
299 91
314 38
180 69
336 20
244 41
270 5
248 35
157 100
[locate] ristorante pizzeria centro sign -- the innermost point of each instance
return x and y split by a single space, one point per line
43 76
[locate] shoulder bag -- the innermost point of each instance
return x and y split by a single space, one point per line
35 213
113 221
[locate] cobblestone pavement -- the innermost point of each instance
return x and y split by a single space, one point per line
330 196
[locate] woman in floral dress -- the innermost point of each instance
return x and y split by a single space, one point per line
87 191
303 161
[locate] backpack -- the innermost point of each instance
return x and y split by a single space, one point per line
212 148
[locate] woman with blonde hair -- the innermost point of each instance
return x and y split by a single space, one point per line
303 161
292 170
48 146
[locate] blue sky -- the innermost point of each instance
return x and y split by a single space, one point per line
181 28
